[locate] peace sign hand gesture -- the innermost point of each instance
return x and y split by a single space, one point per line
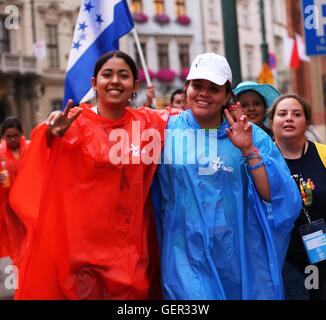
240 132
59 122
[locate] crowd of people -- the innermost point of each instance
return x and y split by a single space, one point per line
217 196
13 148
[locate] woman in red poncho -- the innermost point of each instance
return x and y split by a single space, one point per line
12 151
88 203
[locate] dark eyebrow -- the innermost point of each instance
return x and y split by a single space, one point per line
120 70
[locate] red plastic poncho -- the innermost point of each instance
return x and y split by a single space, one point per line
93 234
12 231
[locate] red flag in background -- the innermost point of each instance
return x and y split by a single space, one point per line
295 59
294 52
302 48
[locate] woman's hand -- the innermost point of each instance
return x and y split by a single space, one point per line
236 111
240 132
59 122
150 95
2 177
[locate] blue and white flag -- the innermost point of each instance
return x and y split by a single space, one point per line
99 26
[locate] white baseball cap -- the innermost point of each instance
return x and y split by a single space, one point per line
210 66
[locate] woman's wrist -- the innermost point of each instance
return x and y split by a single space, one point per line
249 150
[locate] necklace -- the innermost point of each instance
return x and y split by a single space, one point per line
98 111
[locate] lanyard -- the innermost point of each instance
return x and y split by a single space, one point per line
306 192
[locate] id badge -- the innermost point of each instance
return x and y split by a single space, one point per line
314 239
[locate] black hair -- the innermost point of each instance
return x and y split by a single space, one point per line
117 54
11 122
232 99
174 93
305 106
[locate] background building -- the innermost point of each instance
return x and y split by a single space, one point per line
34 56
309 80
171 34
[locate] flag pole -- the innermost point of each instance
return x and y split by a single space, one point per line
142 60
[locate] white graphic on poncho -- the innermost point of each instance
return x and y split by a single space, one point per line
214 166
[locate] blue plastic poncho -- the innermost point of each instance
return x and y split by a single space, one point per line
218 238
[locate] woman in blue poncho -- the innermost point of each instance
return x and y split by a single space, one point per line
224 200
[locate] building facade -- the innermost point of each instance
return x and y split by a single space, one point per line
18 67
309 80
250 36
173 45
34 49
171 34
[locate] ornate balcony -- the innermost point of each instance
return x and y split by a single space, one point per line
14 63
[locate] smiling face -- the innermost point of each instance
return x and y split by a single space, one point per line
289 120
114 83
253 106
206 100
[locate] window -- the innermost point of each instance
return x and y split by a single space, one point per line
181 7
56 104
163 55
215 46
249 62
52 46
138 61
159 7
136 6
278 41
212 11
246 15
277 11
184 56
4 37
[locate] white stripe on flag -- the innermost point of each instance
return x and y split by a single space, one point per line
99 26
302 48
88 26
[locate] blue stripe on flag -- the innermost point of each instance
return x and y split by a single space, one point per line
78 78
